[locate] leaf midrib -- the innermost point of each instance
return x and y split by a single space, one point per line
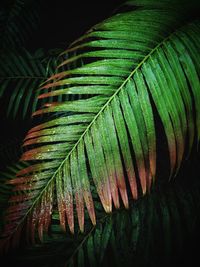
110 99
90 125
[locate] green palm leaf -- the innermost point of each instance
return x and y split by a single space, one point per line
21 73
5 188
152 232
129 64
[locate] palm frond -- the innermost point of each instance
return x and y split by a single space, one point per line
18 20
5 188
21 74
134 65
129 237
154 231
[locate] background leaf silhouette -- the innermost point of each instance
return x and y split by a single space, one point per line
184 122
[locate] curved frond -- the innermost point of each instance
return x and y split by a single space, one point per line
21 73
134 65
6 188
129 237
155 229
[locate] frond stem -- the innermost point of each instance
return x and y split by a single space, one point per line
89 126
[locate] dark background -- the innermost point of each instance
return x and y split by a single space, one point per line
62 21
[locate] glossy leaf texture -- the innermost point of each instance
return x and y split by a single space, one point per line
129 67
128 237
155 230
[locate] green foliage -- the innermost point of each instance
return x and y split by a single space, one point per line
126 84
5 188
152 232
21 74
123 73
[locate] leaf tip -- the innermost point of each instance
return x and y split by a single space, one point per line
107 208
